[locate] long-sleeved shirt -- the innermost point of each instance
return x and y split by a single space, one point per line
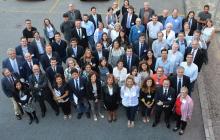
177 23
153 29
157 46
130 96
89 26
120 75
135 33
167 66
175 59
190 71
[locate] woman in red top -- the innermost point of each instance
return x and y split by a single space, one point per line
183 110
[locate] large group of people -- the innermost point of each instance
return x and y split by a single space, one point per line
146 63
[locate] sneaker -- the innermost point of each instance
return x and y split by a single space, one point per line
175 129
65 117
70 116
95 118
101 116
181 132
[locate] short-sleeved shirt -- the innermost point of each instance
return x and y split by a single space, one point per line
204 16
29 34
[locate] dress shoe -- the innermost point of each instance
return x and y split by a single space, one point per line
181 132
168 125
79 116
154 124
43 114
30 121
88 115
36 120
175 129
18 117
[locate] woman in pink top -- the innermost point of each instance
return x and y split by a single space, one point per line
183 110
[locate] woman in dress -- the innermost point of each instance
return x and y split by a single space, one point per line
124 8
24 98
49 30
144 71
71 64
104 70
147 93
208 32
111 97
130 95
61 95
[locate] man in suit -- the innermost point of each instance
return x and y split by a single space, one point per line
24 47
53 69
75 51
140 47
179 80
80 33
130 59
39 44
197 53
128 20
78 93
100 52
38 83
59 46
27 66
45 58
164 99
73 14
7 83
95 18
146 13
13 62
182 43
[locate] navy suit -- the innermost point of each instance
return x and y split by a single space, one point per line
143 52
45 61
134 62
51 73
60 49
78 55
27 71
32 50
124 22
83 41
105 53
7 64
34 44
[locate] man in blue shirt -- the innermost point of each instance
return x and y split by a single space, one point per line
136 31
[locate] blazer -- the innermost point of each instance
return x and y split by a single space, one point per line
90 93
99 19
105 53
8 87
134 61
107 98
46 34
45 61
60 48
77 15
34 44
143 50
141 14
200 57
124 20
81 41
26 70
26 91
7 64
51 74
78 55
193 26
168 99
32 50
174 82
81 93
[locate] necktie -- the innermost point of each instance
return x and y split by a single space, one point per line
128 21
190 23
193 53
30 65
141 47
129 63
179 86
54 69
77 85
80 36
165 92
15 66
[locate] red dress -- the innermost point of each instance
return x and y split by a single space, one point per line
178 106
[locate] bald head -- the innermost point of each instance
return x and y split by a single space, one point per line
36 69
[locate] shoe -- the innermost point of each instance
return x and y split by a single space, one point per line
132 124
36 120
168 125
57 113
70 116
144 120
181 132
148 120
65 117
175 129
88 115
154 124
79 116
129 124
101 116
109 120
30 121
18 117
95 118
43 114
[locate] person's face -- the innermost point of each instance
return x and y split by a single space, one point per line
36 35
129 82
104 37
23 42
165 13
142 39
175 13
88 68
53 63
169 28
129 52
191 15
154 19
71 64
46 22
7 73
73 43
88 53
130 11
146 6
100 26
149 54
166 84
28 24
110 81
110 12
120 65
175 47
189 59
28 57
134 72
117 27
78 24
164 54
194 44
181 37
196 35
99 47
122 34
65 19
103 63
126 3
85 18
180 72
144 67
93 11
115 5
57 37
93 78
159 72
59 80
186 26
12 54
116 45
209 24
206 9
71 7
149 83
18 85
138 22
49 49
36 70
75 75
160 36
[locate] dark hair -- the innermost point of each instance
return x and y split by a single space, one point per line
142 34
49 22
144 86
127 1
110 8
53 58
197 31
27 20
131 7
190 13
164 50
57 33
188 54
74 70
23 85
102 59
86 15
206 6
92 8
132 69
120 60
129 47
91 74
140 66
154 15
65 15
23 38
73 39
34 32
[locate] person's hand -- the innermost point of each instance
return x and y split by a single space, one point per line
143 100
96 100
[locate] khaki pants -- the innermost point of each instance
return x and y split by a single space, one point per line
16 106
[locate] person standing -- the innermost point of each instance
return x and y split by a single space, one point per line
162 18
190 19
159 44
203 16
66 27
94 17
49 30
129 95
73 14
38 44
146 13
136 31
29 30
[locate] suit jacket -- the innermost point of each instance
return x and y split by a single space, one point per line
99 19
78 55
7 64
90 92
174 82
60 48
143 50
107 98
45 61
134 61
32 50
124 20
81 92
193 26
51 74
200 57
105 53
141 14
81 41
26 70
42 88
77 15
34 44
168 99
8 87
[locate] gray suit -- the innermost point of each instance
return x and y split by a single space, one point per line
141 14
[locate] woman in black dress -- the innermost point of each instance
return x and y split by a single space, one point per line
61 94
147 93
24 98
111 97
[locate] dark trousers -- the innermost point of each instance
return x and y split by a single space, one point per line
51 40
32 115
83 106
66 107
131 112
191 87
127 31
50 100
145 111
159 110
180 123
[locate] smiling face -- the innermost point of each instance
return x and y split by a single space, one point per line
59 80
